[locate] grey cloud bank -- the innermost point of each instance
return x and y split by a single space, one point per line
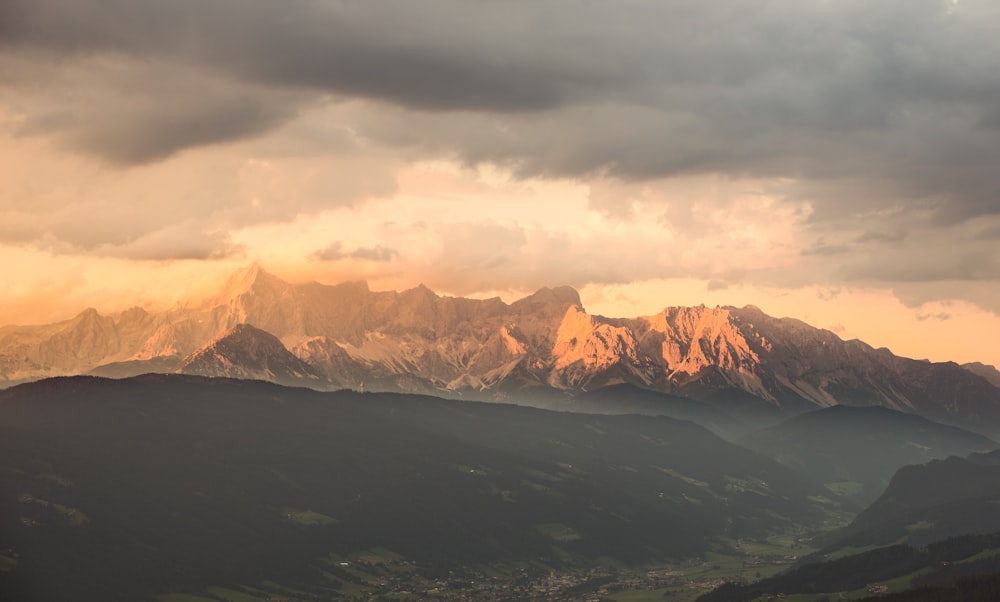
883 116
902 93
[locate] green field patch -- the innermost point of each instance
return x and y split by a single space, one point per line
806 597
738 485
691 500
544 476
655 441
922 448
504 494
376 555
570 469
980 556
905 582
479 471
683 477
276 588
563 555
894 585
845 488
643 595
7 563
820 499
849 551
308 517
349 589
742 559
919 526
185 598
611 562
70 515
558 532
358 580
26 498
57 479
543 489
231 595
765 549
66 514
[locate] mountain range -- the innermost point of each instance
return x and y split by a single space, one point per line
544 346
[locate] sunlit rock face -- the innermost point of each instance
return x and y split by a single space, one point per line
595 344
415 340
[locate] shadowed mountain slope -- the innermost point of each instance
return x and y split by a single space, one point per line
855 451
128 489
247 352
959 562
629 399
929 502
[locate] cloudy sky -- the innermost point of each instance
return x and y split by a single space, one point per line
835 160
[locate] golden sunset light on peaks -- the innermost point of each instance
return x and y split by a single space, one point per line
807 158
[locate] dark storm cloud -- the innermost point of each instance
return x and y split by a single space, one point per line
155 131
867 104
435 55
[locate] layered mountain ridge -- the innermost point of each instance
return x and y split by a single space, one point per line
249 353
415 340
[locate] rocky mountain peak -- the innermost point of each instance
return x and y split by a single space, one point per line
244 333
252 279
597 345
88 314
243 339
700 337
560 296
419 297
355 287
244 351
990 373
133 314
